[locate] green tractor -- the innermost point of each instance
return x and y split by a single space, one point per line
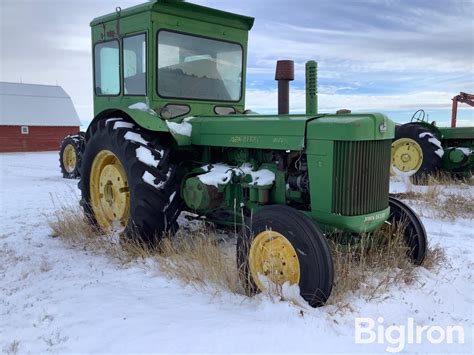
421 149
171 133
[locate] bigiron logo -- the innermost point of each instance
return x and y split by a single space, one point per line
397 336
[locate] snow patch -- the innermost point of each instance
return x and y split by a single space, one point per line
184 128
146 156
135 137
139 106
44 312
424 134
123 124
465 151
171 198
286 291
150 180
436 142
142 106
439 152
113 119
221 174
260 177
402 173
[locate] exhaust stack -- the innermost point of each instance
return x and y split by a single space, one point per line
285 72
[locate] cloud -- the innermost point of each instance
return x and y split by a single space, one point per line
371 54
266 101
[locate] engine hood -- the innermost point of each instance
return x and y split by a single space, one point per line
287 132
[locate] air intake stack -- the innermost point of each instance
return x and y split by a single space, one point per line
311 88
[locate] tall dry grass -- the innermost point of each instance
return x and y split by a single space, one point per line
435 201
368 267
198 256
202 257
445 178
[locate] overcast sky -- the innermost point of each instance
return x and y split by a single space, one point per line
384 55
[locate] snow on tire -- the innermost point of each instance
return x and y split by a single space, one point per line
148 201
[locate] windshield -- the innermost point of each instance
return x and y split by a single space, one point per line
198 68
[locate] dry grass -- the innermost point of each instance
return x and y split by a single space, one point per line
435 203
69 223
12 348
368 267
196 256
200 257
445 178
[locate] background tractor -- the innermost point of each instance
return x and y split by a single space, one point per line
420 148
171 133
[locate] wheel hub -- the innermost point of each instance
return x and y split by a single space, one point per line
109 193
273 258
69 158
407 156
110 197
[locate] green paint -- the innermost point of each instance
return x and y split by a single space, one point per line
311 88
448 133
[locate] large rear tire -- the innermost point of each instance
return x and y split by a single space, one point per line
416 152
70 152
283 245
128 181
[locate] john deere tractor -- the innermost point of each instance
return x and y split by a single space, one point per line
171 133
421 149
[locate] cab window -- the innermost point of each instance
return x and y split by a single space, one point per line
106 68
194 67
134 65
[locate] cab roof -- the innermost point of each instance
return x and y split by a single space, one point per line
182 9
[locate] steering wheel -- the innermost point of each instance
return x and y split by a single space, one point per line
419 116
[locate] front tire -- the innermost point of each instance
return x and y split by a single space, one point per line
128 182
283 245
414 233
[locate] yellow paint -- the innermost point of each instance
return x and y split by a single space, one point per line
273 257
69 158
110 196
407 156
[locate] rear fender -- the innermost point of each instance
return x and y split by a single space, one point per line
146 119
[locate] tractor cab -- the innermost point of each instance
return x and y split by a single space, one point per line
170 59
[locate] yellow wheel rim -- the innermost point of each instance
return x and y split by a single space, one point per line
110 196
69 158
273 258
407 156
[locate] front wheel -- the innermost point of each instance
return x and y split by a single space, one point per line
282 245
406 221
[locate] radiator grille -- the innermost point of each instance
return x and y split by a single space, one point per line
361 177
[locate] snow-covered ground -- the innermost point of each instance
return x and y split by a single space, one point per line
55 298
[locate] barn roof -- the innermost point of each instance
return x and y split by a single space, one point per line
36 105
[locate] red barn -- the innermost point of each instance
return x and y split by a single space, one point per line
35 117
